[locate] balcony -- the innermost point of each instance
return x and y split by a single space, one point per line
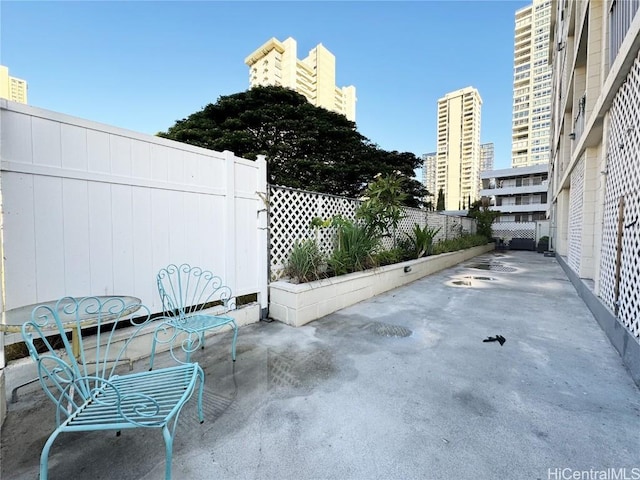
578 122
532 207
621 15
513 190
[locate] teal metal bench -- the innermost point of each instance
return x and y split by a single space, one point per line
89 378
186 292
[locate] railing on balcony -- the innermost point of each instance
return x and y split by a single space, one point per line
578 122
621 14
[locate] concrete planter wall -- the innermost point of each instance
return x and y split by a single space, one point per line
299 304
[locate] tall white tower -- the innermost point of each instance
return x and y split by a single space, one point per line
458 150
531 119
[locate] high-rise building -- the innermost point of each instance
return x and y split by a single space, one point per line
12 88
458 149
429 170
276 63
531 118
487 156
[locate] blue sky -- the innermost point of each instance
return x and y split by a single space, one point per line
143 65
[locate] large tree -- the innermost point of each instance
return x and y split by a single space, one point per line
306 147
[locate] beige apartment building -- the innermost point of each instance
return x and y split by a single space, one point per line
458 148
595 166
276 63
12 88
531 86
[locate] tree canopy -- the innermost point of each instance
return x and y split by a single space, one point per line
306 147
484 217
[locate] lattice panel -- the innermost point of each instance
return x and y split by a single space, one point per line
412 216
469 226
290 215
291 212
576 206
623 180
454 227
436 220
509 230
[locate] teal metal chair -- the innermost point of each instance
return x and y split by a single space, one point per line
85 381
195 301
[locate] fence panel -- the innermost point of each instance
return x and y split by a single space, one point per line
90 209
291 212
509 230
619 286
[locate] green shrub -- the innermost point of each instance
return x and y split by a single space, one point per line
543 244
391 256
421 240
460 243
354 248
306 262
484 218
381 211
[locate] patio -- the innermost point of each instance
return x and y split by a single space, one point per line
398 386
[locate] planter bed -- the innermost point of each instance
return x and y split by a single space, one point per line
299 304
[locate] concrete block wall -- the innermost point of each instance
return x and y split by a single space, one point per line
299 304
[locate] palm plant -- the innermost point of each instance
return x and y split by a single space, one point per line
421 239
382 209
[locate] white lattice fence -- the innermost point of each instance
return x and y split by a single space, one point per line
623 181
291 212
509 230
438 221
411 217
576 207
469 226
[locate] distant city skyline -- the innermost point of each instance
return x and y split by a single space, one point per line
145 65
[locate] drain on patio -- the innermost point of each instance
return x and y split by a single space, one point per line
281 371
388 330
299 370
472 277
462 283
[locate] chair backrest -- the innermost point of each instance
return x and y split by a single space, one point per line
185 290
71 369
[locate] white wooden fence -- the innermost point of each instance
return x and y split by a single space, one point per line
89 209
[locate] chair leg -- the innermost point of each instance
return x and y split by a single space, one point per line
189 347
200 394
44 456
153 351
168 447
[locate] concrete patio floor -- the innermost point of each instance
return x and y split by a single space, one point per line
397 387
